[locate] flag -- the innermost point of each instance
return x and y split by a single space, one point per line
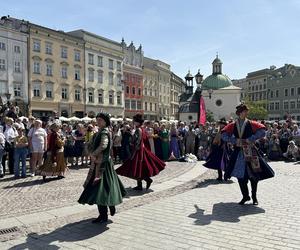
202 116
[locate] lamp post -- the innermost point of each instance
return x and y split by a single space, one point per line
199 79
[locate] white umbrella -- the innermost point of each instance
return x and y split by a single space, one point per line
86 119
74 119
63 119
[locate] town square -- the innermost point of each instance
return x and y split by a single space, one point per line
149 125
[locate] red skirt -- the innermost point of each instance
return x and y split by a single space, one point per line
142 165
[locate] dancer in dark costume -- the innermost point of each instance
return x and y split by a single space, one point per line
245 162
218 157
143 164
102 186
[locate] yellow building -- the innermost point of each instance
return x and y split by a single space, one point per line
56 73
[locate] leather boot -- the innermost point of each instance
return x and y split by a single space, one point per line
139 185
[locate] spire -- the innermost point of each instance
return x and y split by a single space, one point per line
217 65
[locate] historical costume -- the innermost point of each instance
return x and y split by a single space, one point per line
126 143
245 162
143 164
174 145
218 157
164 137
55 164
102 186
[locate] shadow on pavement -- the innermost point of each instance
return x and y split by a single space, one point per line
130 192
226 212
73 232
209 182
31 183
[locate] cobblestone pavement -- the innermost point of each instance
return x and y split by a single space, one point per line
23 196
199 214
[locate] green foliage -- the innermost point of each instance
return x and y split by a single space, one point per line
257 109
209 116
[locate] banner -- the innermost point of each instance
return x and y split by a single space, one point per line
202 116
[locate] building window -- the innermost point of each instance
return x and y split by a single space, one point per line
77 74
146 91
150 106
119 66
119 79
127 104
133 90
77 94
64 72
286 92
111 78
17 67
36 67
100 61
271 94
36 46
2 46
91 95
111 98
17 49
91 75
155 92
2 64
150 92
277 105
100 97
17 90
110 64
133 104
37 90
146 106
298 91
277 93
49 48
49 69
292 91
155 107
64 52
49 90
91 59
298 104
292 104
127 89
77 56
139 91
64 93
100 77
139 105
119 99
286 105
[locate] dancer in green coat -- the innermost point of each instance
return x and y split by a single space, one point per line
102 186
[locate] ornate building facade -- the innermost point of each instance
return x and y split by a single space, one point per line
13 62
56 73
103 74
177 88
133 79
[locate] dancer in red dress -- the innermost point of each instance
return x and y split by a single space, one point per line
143 164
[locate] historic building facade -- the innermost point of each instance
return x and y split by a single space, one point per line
133 79
151 87
103 74
56 73
176 89
13 62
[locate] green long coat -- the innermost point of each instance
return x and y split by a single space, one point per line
110 190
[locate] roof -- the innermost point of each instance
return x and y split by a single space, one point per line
216 81
189 108
185 97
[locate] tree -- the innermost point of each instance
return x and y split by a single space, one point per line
209 116
257 110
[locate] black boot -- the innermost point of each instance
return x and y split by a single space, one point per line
103 217
139 185
112 210
254 190
219 175
149 182
244 191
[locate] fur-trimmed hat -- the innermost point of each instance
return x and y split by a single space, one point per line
242 107
105 117
138 118
222 121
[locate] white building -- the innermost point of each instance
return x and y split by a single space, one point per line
13 62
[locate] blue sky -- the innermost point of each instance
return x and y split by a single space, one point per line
248 34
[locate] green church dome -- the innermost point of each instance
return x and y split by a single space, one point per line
216 81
